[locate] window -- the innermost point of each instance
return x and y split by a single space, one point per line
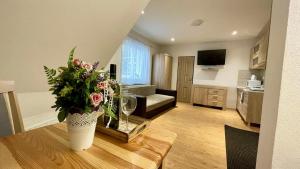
135 63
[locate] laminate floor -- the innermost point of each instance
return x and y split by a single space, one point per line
200 143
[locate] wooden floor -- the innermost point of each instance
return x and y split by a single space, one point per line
200 143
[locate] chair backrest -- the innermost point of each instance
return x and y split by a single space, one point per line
8 87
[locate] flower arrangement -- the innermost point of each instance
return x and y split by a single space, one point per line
80 88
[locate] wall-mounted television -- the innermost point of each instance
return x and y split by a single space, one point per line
211 57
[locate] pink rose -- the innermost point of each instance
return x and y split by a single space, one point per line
96 99
76 62
88 67
101 85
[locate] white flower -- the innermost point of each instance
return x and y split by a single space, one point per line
87 66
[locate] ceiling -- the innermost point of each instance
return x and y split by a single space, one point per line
35 33
164 19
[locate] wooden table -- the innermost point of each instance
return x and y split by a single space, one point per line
47 147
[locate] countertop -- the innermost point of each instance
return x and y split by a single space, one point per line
246 89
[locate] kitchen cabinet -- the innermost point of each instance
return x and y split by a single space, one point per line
214 96
249 105
200 95
258 56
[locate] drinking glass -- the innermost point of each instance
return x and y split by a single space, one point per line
128 104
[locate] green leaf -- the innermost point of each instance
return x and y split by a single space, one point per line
61 116
87 109
71 55
66 91
50 73
61 69
110 111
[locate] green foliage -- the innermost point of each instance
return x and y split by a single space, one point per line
61 116
73 85
110 110
66 91
71 56
50 73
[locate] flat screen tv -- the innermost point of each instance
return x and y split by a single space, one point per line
211 57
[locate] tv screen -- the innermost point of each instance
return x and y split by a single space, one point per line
211 57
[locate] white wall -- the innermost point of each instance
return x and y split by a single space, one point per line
287 138
36 33
272 84
117 57
237 58
280 130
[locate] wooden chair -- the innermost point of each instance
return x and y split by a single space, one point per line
8 87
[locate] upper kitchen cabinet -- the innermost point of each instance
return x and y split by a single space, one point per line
259 52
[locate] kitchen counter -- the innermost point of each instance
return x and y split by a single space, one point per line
246 89
249 104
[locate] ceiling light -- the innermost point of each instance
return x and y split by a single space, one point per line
172 39
142 12
234 33
197 22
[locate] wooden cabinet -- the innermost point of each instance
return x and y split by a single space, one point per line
238 102
162 71
249 105
258 56
209 96
200 95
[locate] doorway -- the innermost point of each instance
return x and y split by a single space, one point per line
185 74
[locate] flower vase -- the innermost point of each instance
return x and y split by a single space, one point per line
81 130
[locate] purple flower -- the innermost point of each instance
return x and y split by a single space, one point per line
95 65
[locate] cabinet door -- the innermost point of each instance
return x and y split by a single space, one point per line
244 111
157 66
238 101
200 95
168 72
251 58
162 71
255 101
259 53
264 50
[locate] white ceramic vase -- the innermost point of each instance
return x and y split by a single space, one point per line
81 130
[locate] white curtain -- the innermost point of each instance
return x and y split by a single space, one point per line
135 63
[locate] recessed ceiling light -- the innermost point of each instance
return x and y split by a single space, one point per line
142 12
197 22
172 39
234 32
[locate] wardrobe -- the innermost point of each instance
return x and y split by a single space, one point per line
162 71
